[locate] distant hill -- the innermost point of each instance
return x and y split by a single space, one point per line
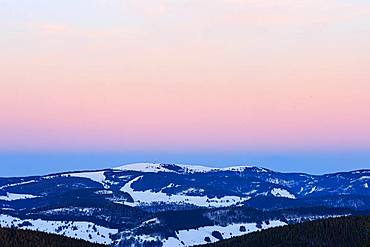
335 232
151 204
11 237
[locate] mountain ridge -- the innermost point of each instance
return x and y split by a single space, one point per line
137 203
140 166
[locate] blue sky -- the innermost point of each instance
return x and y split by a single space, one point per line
90 84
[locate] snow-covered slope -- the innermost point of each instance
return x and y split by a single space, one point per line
141 184
282 193
180 168
82 230
188 203
149 197
13 196
199 236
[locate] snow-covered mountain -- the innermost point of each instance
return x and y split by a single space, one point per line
175 205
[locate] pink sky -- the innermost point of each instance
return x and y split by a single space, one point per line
184 75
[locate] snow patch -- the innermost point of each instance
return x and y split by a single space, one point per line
75 229
197 236
13 197
148 197
104 192
151 221
94 176
71 210
16 184
143 167
282 193
312 190
157 167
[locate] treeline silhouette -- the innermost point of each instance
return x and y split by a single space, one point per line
11 237
335 232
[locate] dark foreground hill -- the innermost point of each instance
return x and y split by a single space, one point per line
336 232
11 237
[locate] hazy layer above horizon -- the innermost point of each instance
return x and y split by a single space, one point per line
25 164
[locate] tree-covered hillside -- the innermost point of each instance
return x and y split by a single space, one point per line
335 232
11 237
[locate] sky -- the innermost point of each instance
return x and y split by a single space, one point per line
95 83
